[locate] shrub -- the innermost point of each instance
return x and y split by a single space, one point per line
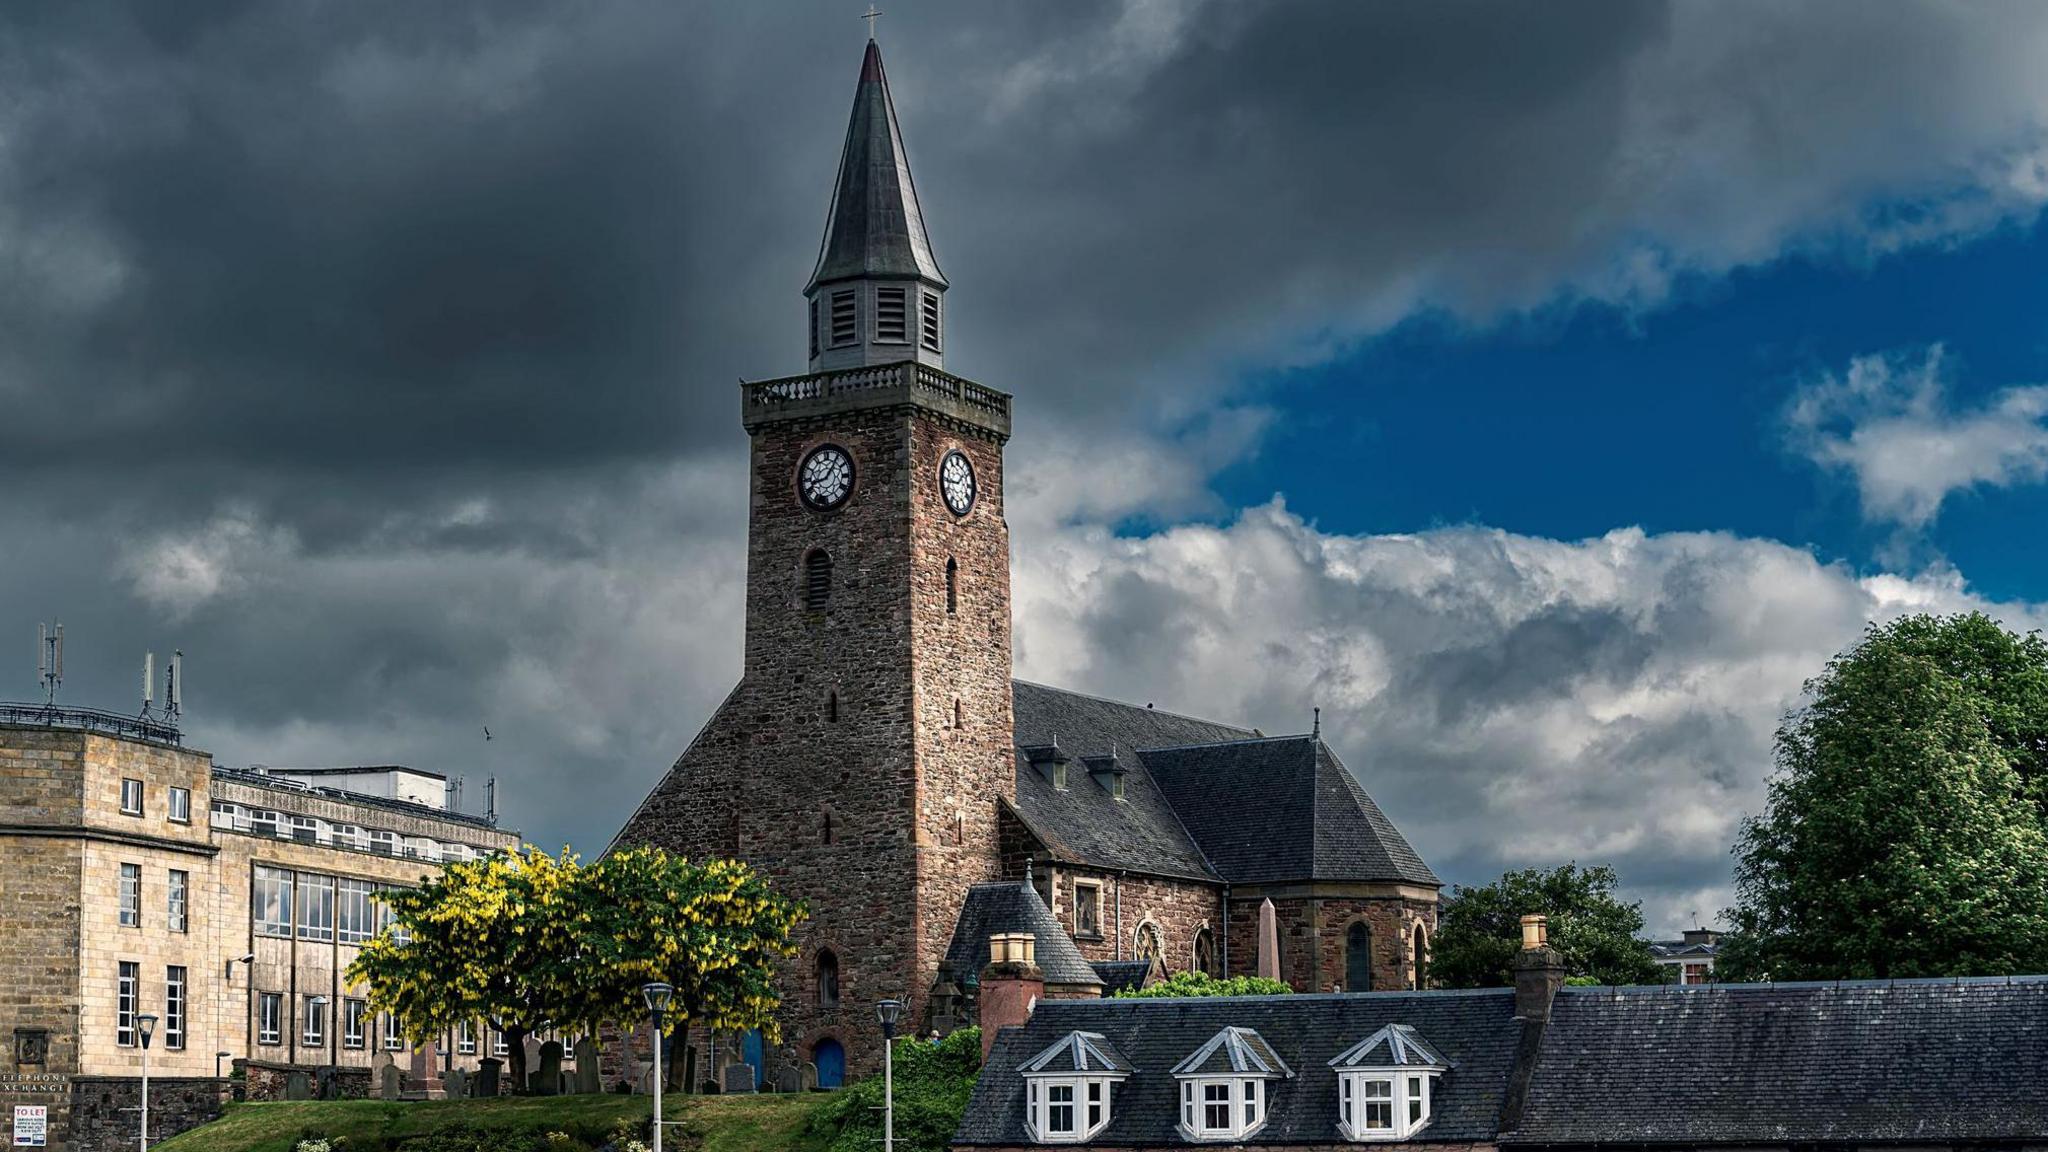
933 1082
1203 984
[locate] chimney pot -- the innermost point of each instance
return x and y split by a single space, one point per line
1535 932
1539 971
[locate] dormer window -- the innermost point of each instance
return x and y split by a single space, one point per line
1223 1085
1068 1088
1385 1084
1059 775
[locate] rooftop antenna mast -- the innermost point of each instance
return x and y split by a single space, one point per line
50 661
174 686
148 682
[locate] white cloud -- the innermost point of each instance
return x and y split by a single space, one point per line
181 571
1511 700
1889 423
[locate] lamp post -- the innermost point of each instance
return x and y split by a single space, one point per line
658 996
146 1024
887 1013
248 1006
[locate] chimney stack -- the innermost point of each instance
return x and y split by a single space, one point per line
1011 985
1539 971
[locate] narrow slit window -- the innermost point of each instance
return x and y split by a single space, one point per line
832 707
892 316
845 319
817 580
825 827
952 586
814 327
956 712
929 331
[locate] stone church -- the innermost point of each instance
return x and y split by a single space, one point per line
878 759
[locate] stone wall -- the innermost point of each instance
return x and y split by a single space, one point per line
266 1081
106 1110
1177 908
1314 936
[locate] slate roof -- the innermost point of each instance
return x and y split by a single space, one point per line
1086 824
1122 975
875 226
1920 1061
1014 907
1282 808
1077 1052
1477 1030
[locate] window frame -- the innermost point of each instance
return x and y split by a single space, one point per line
270 1019
359 895
130 904
1091 888
272 891
178 900
177 997
393 1039
129 786
465 1039
1410 1102
353 1033
1241 1100
177 801
310 923
313 1021
1089 1105
127 1001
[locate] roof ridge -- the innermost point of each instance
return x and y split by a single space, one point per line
1219 743
1128 704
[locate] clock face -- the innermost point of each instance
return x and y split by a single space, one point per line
956 483
825 478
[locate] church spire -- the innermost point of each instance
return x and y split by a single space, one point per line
875 293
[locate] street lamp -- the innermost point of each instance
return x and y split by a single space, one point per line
658 996
146 1024
247 1006
887 1013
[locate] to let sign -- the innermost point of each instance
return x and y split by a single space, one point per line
31 1125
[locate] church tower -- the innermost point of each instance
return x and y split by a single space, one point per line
862 759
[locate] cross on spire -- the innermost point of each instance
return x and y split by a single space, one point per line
871 15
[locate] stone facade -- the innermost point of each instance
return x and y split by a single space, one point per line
66 845
1315 933
105 1110
1132 909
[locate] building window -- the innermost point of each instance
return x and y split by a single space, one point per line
1378 1112
1384 1084
1116 785
385 843
499 1046
181 806
828 978
1059 776
1204 955
271 902
263 823
1065 1111
958 720
930 331
180 884
1150 944
1358 957
174 1007
465 1039
1088 910
387 1026
1418 944
315 1031
1232 1107
129 976
131 797
131 895
355 919
892 317
814 329
1059 1109
1216 1109
352 1013
952 586
817 579
316 907
305 830
270 1018
831 707
845 320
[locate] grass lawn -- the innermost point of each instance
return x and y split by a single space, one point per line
767 1123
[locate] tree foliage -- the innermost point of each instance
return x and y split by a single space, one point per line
1194 983
533 941
1904 831
1479 930
933 1083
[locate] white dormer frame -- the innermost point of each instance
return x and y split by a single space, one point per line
1228 1104
1386 1085
1070 1104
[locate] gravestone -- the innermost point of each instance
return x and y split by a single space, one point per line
324 1079
588 1060
488 1073
457 1083
390 1082
297 1086
532 1047
738 1078
425 1081
788 1079
810 1077
550 1069
643 1083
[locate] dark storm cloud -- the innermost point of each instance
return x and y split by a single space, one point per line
383 355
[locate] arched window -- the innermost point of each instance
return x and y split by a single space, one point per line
1205 950
956 712
952 585
817 579
828 978
832 707
1358 958
1420 943
1150 944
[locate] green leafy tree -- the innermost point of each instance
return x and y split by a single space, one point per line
1479 930
1904 830
933 1083
1194 983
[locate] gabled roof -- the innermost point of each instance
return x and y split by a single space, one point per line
1014 907
875 226
1122 975
1282 808
1921 1062
1477 1030
1078 1052
1395 1046
1234 1050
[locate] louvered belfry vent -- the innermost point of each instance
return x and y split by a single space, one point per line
845 319
930 331
892 319
817 580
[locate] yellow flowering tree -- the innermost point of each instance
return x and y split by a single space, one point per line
533 941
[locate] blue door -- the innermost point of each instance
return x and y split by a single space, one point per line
750 1051
831 1061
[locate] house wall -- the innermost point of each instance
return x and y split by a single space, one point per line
1314 923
